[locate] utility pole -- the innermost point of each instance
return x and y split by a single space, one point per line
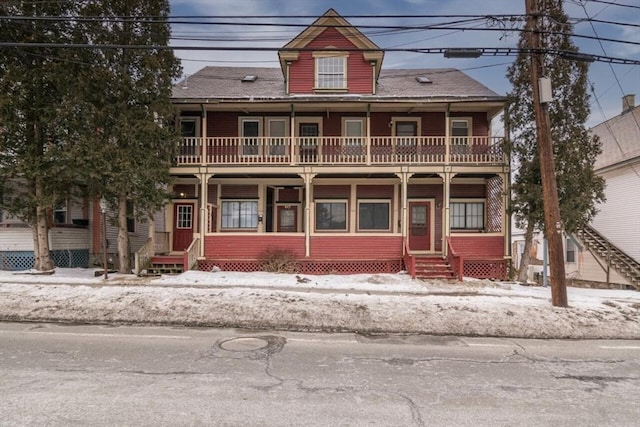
552 221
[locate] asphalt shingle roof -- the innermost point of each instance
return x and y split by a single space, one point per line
226 83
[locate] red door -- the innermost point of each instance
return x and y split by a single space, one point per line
419 239
182 226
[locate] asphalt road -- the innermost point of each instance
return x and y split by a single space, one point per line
97 375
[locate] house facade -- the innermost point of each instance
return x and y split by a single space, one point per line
348 166
616 227
77 236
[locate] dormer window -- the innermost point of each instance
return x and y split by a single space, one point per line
331 71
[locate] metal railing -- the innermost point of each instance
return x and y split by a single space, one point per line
338 150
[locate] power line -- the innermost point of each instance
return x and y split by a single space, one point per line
488 51
614 4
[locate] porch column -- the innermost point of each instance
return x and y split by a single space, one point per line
204 196
446 176
308 178
203 133
368 135
292 133
506 207
404 216
447 137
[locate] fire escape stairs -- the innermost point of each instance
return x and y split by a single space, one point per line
433 267
611 255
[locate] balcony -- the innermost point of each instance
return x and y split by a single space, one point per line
334 150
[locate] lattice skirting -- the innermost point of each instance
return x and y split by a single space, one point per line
485 269
24 260
311 266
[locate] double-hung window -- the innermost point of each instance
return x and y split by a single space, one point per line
239 214
331 72
354 141
467 215
460 131
331 215
373 215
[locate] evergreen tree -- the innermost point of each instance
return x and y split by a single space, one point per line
37 119
575 150
130 91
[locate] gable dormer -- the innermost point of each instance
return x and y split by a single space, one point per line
331 56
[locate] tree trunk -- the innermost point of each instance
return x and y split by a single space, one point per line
42 256
525 259
123 237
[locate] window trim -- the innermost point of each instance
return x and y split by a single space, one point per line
481 201
406 141
240 227
318 57
62 207
374 230
197 123
344 202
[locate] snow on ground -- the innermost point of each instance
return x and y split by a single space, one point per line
366 303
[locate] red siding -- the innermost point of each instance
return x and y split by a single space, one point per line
222 124
291 195
462 191
189 190
478 246
331 191
227 246
359 71
212 193
239 191
356 247
375 191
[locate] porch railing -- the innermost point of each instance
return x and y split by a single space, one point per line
191 254
455 260
142 258
409 260
335 150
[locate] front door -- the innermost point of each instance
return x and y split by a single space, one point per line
182 226
419 239
308 133
287 219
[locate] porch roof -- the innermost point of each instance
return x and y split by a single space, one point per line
224 84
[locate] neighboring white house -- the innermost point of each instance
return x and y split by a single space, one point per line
618 219
75 238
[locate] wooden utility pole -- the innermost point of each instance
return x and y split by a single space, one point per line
552 220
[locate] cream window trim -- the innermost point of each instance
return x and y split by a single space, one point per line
344 202
460 140
250 145
417 120
197 121
389 218
319 63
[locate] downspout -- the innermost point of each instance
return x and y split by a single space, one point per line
292 134
368 130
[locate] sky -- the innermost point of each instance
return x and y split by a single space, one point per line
609 82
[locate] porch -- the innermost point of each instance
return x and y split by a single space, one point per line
337 150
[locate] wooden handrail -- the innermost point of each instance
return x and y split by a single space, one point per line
142 257
409 260
190 256
456 260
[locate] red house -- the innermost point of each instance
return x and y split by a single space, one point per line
351 167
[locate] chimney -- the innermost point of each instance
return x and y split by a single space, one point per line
628 103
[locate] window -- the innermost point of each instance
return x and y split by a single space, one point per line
373 215
250 129
460 132
467 215
184 216
331 216
189 130
405 131
277 129
331 72
240 214
131 220
571 251
60 213
353 132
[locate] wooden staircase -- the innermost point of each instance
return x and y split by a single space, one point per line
165 264
433 267
611 255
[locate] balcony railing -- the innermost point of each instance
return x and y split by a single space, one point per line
334 150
